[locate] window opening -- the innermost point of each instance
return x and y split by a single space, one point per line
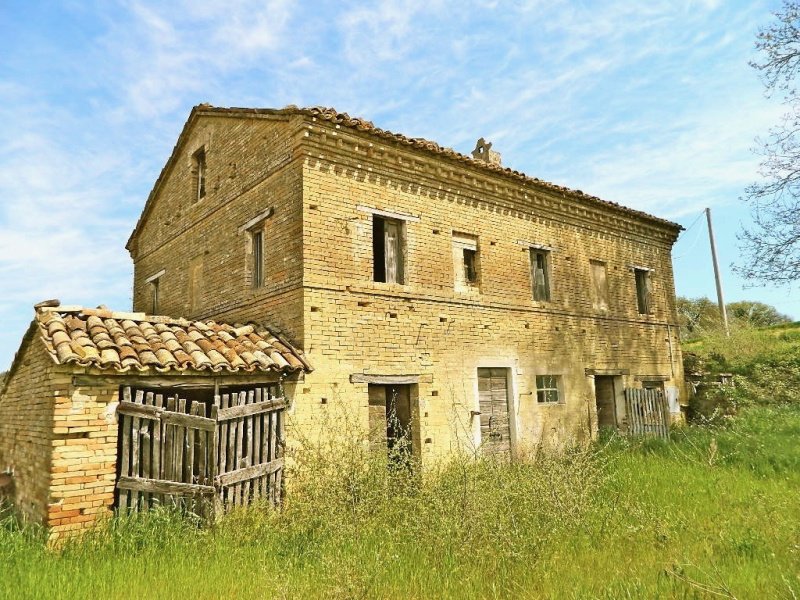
465 260
258 258
599 284
642 290
200 174
387 250
540 267
547 389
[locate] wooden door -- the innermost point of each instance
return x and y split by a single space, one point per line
493 400
605 398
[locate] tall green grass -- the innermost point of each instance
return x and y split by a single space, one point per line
714 513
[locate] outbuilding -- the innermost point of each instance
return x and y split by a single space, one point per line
104 409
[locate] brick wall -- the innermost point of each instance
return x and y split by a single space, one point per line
251 167
427 327
84 457
327 302
26 426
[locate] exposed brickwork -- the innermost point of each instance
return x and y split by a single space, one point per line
84 457
26 425
319 273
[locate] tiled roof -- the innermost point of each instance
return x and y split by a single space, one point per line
137 342
343 119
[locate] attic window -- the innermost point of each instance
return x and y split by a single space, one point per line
154 283
199 168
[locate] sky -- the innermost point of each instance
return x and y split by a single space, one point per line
649 104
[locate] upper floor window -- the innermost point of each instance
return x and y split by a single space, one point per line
388 248
257 238
465 260
599 285
199 160
154 283
540 274
643 290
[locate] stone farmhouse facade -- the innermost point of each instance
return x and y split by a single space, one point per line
294 267
484 309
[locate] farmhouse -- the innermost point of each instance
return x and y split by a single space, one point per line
438 296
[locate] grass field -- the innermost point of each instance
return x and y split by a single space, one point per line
715 513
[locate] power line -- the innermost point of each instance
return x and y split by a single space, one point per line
696 237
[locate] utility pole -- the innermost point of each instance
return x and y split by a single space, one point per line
717 278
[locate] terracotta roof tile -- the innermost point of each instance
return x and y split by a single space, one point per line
124 341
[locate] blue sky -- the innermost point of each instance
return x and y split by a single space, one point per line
650 104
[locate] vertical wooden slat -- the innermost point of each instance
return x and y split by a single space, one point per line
157 446
257 457
273 434
125 453
180 443
218 498
237 496
168 463
225 456
265 456
249 454
146 461
188 449
279 449
135 441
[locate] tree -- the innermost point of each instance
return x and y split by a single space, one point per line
700 316
755 314
697 316
771 245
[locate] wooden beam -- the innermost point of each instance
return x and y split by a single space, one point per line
139 410
239 475
246 410
179 380
192 421
607 371
157 486
390 379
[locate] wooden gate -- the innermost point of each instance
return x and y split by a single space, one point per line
205 454
647 412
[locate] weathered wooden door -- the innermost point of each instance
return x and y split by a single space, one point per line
647 412
493 401
166 451
605 400
171 452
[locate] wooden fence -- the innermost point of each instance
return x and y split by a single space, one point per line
647 411
204 455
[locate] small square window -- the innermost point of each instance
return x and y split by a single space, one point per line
547 389
540 276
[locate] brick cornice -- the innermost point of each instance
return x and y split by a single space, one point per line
439 176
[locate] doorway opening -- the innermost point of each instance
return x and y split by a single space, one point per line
393 419
609 400
493 403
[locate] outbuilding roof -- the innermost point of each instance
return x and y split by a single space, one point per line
128 341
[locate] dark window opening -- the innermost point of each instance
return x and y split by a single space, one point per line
258 258
200 174
540 275
470 269
387 250
642 290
